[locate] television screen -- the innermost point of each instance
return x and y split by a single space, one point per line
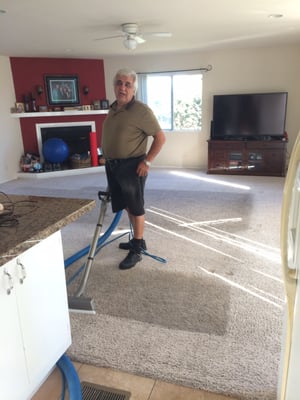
259 116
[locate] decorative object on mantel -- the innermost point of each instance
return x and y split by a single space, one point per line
86 107
79 108
62 90
33 103
27 103
39 89
97 105
19 108
104 104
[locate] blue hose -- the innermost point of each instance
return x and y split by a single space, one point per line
101 240
101 243
71 377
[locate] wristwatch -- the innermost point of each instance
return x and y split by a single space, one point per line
148 163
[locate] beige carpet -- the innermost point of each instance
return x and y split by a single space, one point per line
211 317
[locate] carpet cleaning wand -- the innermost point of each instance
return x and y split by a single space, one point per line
78 302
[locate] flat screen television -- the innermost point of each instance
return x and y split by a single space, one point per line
257 116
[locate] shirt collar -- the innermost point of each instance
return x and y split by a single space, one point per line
126 107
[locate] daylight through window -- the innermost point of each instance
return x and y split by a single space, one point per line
174 97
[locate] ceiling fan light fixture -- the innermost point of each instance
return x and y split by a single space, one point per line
130 43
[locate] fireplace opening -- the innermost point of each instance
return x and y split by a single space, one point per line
77 137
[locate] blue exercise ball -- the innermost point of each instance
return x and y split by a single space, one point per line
55 150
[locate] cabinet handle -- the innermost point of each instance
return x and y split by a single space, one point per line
10 282
23 271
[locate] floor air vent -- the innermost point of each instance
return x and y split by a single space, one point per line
91 391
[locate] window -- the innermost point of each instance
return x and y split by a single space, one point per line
174 97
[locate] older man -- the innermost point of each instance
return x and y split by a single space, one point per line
125 133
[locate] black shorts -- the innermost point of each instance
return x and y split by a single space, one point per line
126 187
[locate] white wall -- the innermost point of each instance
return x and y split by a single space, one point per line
234 71
11 146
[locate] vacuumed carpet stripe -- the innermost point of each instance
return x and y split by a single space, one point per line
90 391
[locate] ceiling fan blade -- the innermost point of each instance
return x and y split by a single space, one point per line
110 37
139 39
158 34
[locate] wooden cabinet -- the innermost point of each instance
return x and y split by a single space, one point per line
247 157
35 328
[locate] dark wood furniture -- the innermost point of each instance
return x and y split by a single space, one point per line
247 157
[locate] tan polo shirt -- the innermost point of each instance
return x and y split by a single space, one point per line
125 131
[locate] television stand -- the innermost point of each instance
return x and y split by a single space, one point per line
255 157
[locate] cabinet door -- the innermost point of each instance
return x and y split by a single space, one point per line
274 162
14 380
226 157
267 158
43 307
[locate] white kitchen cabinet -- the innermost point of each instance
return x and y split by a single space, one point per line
35 326
13 371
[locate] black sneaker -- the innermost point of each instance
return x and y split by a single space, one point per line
129 245
130 260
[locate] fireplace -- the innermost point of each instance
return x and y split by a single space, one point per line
75 134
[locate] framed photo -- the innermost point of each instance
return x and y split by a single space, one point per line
62 90
97 105
20 108
104 104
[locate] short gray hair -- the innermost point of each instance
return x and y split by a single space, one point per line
127 72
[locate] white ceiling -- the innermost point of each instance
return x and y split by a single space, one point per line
68 28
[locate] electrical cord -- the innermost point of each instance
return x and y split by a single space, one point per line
8 216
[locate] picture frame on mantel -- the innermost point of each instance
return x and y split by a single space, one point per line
62 90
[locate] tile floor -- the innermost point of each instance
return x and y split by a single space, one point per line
140 388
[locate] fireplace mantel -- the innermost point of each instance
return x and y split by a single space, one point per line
57 113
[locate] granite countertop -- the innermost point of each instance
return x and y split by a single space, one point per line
29 219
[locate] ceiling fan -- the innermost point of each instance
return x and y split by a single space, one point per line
132 36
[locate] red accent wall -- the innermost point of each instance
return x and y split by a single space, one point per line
27 73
